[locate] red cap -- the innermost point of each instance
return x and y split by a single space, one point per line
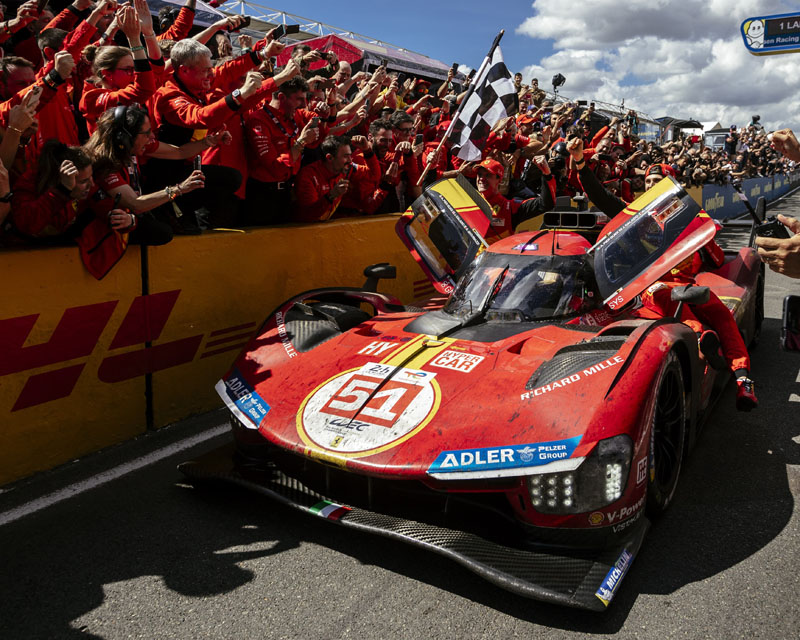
492 166
662 170
422 81
524 118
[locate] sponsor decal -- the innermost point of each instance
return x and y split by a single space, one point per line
510 457
627 523
608 587
376 348
363 411
287 344
78 333
329 510
576 377
641 471
596 518
717 201
624 512
242 396
463 362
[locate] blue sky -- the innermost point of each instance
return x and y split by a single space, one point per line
448 31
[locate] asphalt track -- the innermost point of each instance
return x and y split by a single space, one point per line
143 555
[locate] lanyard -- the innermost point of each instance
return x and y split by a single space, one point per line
280 126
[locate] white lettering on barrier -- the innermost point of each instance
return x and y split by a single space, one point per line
717 201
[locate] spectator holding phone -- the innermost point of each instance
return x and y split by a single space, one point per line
322 184
122 134
278 134
185 108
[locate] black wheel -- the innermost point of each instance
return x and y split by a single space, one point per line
758 312
667 437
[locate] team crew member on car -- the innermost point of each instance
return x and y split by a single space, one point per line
508 214
657 299
322 184
278 133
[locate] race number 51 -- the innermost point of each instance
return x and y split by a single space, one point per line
382 407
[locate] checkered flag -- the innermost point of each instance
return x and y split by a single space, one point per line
493 98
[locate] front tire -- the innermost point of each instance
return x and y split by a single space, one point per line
667 437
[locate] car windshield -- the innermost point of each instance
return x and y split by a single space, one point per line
517 288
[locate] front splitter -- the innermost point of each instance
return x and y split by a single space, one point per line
574 581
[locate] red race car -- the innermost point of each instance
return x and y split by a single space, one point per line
528 426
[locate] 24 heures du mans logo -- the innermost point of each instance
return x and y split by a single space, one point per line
78 332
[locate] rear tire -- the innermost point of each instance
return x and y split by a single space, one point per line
667 437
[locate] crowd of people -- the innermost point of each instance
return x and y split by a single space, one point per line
120 128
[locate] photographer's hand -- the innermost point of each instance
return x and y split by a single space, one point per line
786 143
782 255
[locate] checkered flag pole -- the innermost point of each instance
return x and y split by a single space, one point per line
490 98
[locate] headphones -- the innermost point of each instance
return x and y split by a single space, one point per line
120 134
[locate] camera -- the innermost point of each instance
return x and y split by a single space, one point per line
772 228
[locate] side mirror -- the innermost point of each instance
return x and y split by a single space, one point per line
691 294
376 272
790 328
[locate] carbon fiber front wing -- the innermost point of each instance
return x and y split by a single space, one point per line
575 581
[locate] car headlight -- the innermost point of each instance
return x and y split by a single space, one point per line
597 482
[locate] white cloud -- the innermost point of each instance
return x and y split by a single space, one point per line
666 58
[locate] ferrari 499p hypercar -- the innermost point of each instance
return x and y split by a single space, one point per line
527 423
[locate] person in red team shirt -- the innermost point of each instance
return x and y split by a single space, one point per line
508 214
322 184
122 76
183 110
278 133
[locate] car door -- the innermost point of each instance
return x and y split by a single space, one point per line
444 230
652 235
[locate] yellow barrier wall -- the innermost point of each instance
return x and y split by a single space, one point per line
230 281
56 325
75 353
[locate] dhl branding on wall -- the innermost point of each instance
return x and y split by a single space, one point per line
85 364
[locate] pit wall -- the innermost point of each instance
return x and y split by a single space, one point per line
87 364
723 201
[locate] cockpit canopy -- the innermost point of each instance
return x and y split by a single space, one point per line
524 288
